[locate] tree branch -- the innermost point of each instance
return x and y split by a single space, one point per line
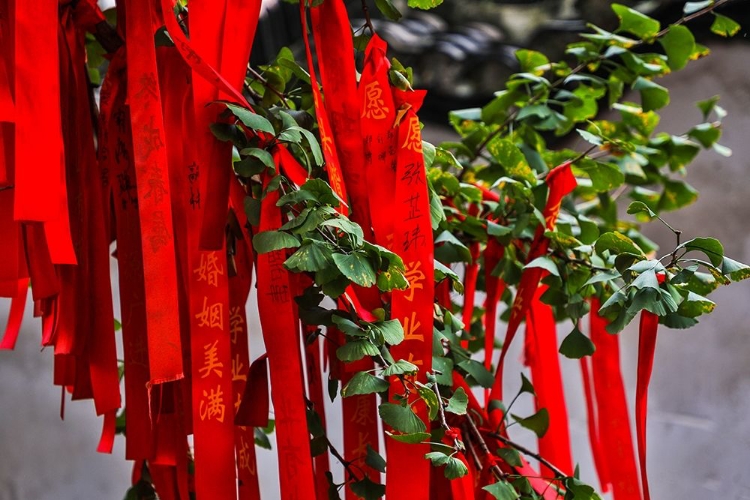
558 473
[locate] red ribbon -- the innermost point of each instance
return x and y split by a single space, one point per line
413 307
154 207
612 411
561 182
282 344
646 348
544 360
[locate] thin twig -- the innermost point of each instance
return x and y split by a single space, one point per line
499 474
560 474
368 21
267 85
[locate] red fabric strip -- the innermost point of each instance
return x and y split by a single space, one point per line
646 348
378 114
107 440
612 410
282 344
329 149
560 181
15 316
195 60
470 287
253 411
39 186
413 306
544 360
116 157
162 313
333 41
244 440
592 426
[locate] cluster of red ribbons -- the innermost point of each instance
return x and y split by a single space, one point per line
143 170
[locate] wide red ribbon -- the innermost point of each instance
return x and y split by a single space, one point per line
613 422
543 359
413 307
154 207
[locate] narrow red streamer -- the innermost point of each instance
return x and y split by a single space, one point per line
646 348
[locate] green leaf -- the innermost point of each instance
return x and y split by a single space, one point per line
414 438
351 229
250 120
676 195
510 456
391 330
695 305
604 176
616 243
705 133
679 44
401 418
736 271
478 372
577 345
531 61
502 490
458 402
387 8
455 468
636 23
424 4
637 207
354 350
374 460
653 95
364 383
252 210
526 386
589 137
437 458
256 161
270 241
711 247
367 489
312 142
544 263
356 267
724 26
400 367
322 192
691 7
431 401
348 326
538 422
312 256
510 158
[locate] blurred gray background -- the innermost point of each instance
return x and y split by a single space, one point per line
699 429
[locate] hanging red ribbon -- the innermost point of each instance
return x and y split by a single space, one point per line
646 347
154 207
282 344
560 181
413 307
613 420
543 359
